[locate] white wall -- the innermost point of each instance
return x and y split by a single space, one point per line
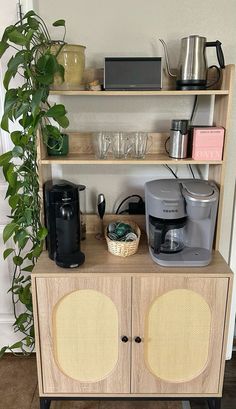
132 27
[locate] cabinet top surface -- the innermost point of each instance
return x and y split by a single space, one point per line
98 261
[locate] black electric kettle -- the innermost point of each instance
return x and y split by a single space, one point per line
192 69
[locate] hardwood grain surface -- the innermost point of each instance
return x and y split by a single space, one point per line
99 261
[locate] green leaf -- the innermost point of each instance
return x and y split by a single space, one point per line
32 331
4 122
29 36
21 237
30 13
11 176
10 99
33 23
28 341
7 78
2 351
37 251
3 47
45 79
16 61
17 151
17 260
14 200
16 137
7 253
5 158
52 131
41 62
36 100
29 268
56 111
63 121
16 345
23 108
9 230
17 37
59 23
8 29
25 295
42 233
28 216
21 319
52 65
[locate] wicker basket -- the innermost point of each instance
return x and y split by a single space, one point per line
122 248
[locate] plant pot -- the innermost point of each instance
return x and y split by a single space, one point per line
58 148
72 57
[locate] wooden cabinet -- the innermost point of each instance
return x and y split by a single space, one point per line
81 323
180 321
175 320
130 327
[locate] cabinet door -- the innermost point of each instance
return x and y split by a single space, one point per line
81 323
180 321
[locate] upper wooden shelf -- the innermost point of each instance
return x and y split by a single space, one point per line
91 74
138 93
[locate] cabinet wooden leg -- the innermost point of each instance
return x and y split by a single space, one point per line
45 403
214 403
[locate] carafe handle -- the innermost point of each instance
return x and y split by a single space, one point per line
219 51
158 239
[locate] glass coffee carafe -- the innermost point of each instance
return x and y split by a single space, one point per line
166 235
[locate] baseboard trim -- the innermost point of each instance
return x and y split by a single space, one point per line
7 319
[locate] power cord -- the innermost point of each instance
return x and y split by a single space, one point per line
171 170
191 170
194 109
127 198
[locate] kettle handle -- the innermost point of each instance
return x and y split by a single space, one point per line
219 51
218 75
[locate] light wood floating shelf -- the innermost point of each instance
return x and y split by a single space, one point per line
152 159
138 93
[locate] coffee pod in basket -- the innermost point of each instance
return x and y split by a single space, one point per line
122 238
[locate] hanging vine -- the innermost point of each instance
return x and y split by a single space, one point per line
34 66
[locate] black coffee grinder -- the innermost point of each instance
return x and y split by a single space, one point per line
63 223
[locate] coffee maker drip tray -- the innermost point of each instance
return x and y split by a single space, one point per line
188 257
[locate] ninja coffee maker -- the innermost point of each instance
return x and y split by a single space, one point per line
63 223
180 221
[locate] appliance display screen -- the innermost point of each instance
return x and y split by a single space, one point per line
132 73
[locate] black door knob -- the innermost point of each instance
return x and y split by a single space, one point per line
124 339
138 340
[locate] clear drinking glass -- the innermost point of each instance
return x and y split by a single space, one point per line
101 143
141 144
121 145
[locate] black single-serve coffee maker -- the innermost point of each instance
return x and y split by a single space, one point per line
63 223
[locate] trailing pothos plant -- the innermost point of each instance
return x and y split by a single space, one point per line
32 66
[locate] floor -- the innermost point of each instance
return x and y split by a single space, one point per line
18 390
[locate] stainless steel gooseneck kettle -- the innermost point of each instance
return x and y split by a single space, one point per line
192 68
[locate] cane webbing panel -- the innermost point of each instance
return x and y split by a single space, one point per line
177 333
85 335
